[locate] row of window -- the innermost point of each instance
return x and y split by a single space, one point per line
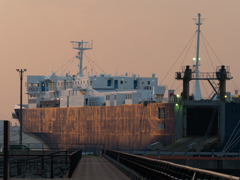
161 113
128 96
148 82
32 85
80 82
109 82
32 101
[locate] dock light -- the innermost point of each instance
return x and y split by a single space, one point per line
178 96
176 104
225 96
195 59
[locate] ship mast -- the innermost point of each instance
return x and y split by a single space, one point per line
81 46
196 87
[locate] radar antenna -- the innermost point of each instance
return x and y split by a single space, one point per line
81 46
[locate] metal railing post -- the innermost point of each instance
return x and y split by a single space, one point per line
66 158
51 166
42 162
6 142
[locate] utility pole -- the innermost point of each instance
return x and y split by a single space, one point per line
6 141
20 114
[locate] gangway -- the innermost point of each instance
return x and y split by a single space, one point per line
183 145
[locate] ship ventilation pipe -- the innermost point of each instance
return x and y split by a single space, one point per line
186 80
221 75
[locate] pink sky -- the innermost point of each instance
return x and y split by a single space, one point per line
139 36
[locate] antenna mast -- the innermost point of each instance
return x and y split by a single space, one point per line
196 87
81 46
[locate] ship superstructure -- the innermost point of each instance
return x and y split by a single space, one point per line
92 90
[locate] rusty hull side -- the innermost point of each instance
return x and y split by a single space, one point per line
115 126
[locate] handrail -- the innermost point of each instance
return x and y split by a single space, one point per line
159 169
39 159
75 157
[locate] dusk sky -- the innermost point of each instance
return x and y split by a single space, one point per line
139 36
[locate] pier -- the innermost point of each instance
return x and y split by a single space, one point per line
94 167
112 165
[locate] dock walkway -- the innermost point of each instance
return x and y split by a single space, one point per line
94 167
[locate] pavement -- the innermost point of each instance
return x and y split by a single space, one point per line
95 167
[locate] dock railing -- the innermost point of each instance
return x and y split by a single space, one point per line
75 157
137 167
20 164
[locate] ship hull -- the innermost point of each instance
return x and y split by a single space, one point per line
125 127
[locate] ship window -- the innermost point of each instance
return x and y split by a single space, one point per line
159 113
142 82
148 82
159 125
109 82
83 82
121 82
163 125
107 97
115 96
90 83
30 84
162 113
36 84
128 96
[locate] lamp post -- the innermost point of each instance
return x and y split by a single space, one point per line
20 114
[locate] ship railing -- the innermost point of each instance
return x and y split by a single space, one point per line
139 167
202 75
94 103
163 100
159 154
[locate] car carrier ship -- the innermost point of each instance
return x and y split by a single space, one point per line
130 112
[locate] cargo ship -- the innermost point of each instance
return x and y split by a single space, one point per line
130 112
